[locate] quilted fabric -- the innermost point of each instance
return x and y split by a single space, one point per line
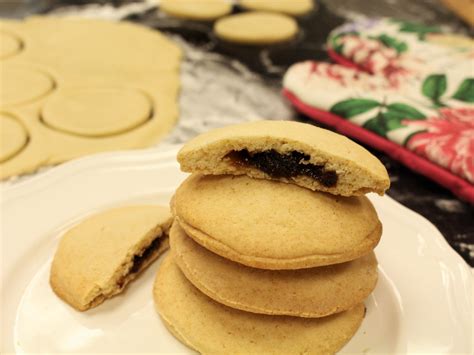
404 88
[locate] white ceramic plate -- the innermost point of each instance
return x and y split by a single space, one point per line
422 302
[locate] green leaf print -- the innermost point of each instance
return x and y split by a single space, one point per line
392 118
465 91
403 111
392 42
377 125
434 87
418 28
336 45
352 107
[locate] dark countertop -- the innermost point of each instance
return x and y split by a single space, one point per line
453 217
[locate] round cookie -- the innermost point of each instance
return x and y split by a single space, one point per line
96 112
288 151
290 7
13 137
303 293
9 45
22 84
203 10
273 225
256 28
211 328
99 257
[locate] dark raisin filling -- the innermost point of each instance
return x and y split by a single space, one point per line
139 259
284 165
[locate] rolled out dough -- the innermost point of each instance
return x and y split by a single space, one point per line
82 86
20 85
13 136
9 45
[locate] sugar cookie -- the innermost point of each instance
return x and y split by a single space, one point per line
273 225
212 328
303 293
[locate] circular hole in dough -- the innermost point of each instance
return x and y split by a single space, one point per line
13 137
21 85
256 28
290 7
203 10
97 112
9 45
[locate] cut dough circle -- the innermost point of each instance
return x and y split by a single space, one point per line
13 137
204 10
9 45
97 112
256 28
20 85
290 7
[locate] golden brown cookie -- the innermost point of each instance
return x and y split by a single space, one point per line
212 328
272 225
287 151
314 292
97 258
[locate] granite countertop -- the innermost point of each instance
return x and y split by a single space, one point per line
247 82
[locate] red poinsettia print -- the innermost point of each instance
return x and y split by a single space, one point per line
447 140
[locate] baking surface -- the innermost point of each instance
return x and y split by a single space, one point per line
247 83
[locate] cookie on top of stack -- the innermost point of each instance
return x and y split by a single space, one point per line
272 243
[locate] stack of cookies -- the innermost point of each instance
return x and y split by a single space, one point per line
272 243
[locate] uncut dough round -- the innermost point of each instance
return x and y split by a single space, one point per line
290 7
21 84
202 10
274 225
13 137
96 112
96 259
212 328
9 45
303 293
256 28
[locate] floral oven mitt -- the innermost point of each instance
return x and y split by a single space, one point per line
402 88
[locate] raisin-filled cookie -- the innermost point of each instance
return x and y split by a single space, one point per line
287 151
273 225
97 258
314 292
212 328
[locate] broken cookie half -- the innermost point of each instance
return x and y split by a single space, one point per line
287 151
97 258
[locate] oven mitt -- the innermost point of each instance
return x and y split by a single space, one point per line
403 88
